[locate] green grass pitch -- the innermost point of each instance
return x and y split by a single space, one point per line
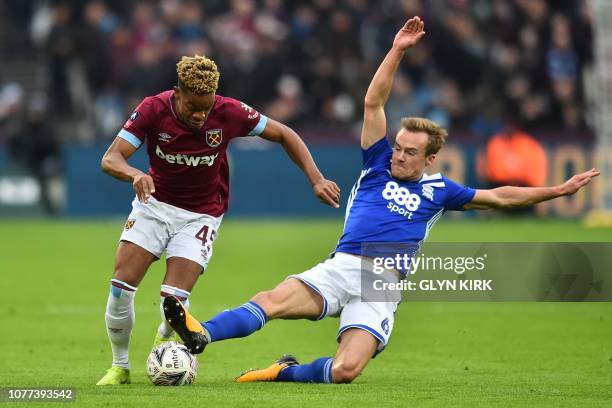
55 279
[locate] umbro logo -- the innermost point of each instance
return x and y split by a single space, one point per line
164 137
428 191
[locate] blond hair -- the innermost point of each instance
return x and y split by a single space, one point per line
436 134
197 74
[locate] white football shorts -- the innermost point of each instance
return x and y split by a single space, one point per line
339 282
157 226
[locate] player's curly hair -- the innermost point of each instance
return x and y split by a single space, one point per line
436 134
197 74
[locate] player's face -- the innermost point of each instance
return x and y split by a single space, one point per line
408 161
192 108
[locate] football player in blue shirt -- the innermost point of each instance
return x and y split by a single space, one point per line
393 201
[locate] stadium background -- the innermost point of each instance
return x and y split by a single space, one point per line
71 73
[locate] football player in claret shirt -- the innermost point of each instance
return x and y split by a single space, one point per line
181 200
394 202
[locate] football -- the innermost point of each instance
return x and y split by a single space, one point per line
171 363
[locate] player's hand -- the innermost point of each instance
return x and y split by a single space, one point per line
144 187
578 181
328 192
410 34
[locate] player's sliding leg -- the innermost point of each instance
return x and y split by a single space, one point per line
131 265
270 373
364 326
291 299
355 350
181 276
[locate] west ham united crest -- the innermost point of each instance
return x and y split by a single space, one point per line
129 224
214 137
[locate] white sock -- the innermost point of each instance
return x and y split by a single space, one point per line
164 329
120 320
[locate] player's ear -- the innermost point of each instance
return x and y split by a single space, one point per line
178 96
430 159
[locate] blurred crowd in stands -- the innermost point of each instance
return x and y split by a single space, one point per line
308 63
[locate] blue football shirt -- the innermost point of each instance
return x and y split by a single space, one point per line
383 213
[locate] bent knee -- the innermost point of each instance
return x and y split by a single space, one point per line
345 372
270 301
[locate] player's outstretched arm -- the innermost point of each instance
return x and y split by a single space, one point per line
517 197
114 163
374 120
327 191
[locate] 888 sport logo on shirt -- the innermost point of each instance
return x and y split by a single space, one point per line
401 200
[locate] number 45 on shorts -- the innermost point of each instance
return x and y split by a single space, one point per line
206 235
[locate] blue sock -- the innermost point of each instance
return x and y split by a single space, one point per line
238 322
319 371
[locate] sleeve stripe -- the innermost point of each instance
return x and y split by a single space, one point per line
130 138
261 125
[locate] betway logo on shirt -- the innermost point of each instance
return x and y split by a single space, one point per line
185 159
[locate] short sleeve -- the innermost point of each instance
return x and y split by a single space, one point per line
456 195
377 155
138 125
247 120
